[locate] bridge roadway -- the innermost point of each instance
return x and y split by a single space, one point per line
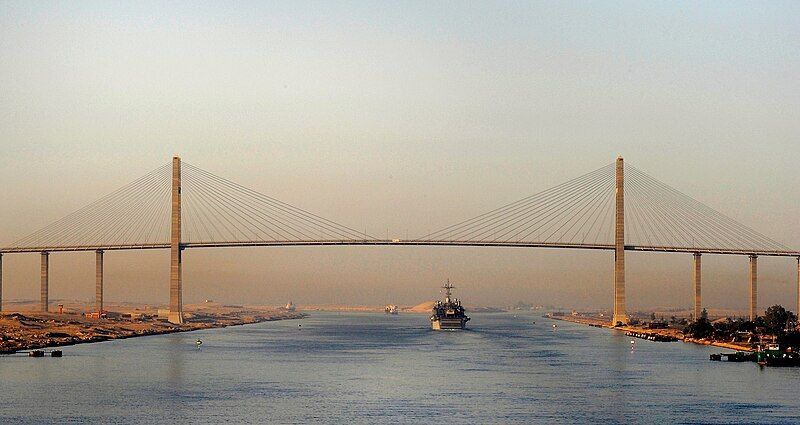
282 215
395 242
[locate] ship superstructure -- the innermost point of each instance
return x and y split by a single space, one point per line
448 314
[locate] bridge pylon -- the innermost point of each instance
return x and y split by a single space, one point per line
44 287
753 287
620 316
98 282
176 268
698 305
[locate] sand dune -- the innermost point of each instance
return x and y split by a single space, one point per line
424 307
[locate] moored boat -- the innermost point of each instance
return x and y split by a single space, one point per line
774 355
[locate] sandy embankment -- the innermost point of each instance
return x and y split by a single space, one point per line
24 329
666 332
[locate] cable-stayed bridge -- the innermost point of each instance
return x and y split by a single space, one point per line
617 207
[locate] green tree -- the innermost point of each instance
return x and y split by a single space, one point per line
744 325
791 339
724 330
701 328
776 318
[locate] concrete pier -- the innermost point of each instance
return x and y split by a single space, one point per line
619 247
44 288
175 269
698 307
98 281
753 287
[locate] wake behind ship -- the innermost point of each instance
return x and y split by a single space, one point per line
448 314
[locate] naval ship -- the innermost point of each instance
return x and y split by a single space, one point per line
448 314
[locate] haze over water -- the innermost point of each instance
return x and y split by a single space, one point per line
374 368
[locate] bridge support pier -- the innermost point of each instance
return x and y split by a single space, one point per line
753 287
176 268
45 282
697 280
620 316
98 282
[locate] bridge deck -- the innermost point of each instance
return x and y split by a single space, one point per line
396 242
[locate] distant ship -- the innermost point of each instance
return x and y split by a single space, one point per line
448 314
288 307
391 309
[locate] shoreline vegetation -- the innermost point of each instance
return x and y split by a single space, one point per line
22 329
670 332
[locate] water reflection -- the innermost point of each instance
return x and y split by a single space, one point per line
365 368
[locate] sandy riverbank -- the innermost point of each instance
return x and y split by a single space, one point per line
26 330
675 333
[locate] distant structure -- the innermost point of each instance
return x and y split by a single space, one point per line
619 316
175 263
614 208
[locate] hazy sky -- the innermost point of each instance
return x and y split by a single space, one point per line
402 117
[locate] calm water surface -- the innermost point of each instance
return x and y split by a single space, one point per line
373 368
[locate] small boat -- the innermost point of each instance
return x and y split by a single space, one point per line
56 353
390 309
36 353
774 355
740 356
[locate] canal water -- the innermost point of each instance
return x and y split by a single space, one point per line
374 368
